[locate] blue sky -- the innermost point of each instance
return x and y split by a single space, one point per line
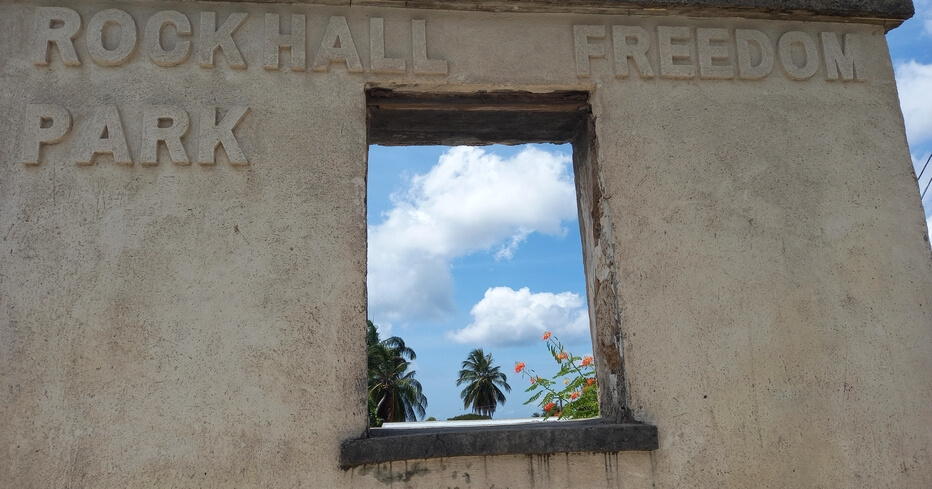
468 248
476 248
911 49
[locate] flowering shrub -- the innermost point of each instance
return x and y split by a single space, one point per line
579 396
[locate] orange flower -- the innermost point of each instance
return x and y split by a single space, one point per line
547 335
533 380
549 406
519 367
574 395
590 381
586 361
562 356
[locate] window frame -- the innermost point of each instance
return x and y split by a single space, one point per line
412 116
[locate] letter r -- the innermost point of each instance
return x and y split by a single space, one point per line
45 33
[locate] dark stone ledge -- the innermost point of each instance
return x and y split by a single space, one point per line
548 437
889 13
476 118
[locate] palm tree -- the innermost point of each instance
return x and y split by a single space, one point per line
394 394
482 393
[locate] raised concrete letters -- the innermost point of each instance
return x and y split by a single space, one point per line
713 53
166 124
712 48
748 68
168 38
337 46
837 60
213 134
624 50
46 32
296 42
152 39
584 49
95 37
44 124
673 52
211 38
377 60
675 57
809 55
102 135
423 65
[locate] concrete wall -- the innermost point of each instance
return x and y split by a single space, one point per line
197 325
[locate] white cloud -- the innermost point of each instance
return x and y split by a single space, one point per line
914 83
406 284
470 201
508 317
507 250
929 227
924 12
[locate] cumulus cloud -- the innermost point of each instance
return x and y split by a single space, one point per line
914 83
924 12
470 201
508 317
405 284
929 227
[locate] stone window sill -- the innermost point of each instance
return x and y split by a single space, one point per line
547 437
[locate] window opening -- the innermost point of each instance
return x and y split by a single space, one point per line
477 249
409 116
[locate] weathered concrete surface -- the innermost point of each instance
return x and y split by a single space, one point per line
197 325
774 278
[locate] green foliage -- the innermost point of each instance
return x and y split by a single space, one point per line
374 419
394 394
469 417
484 384
431 419
572 393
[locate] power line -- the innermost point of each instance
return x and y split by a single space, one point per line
923 194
